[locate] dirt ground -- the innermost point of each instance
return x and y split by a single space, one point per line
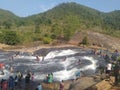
95 40
98 39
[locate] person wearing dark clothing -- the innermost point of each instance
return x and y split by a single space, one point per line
79 62
19 76
5 85
1 83
16 80
11 83
27 81
116 73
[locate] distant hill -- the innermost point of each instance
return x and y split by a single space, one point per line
111 20
87 17
7 18
72 13
5 15
60 23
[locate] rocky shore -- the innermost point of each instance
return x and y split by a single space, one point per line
83 83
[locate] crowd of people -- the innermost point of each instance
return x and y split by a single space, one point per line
16 80
112 66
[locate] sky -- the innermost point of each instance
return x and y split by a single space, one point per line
24 8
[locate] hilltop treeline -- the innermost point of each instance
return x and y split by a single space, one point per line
59 23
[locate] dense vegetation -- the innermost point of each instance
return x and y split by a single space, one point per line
59 23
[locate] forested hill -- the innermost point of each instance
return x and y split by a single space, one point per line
60 22
5 14
7 18
85 16
111 20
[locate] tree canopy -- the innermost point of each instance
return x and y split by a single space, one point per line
62 21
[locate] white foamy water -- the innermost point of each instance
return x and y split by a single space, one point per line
25 57
70 74
6 74
92 66
68 65
57 53
65 75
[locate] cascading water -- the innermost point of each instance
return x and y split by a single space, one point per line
62 63
58 53
92 66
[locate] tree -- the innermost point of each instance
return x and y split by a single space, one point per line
37 28
67 33
56 31
47 40
7 24
37 24
85 41
11 38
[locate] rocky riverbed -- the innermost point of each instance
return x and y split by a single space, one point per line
54 58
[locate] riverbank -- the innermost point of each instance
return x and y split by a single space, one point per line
81 84
85 83
32 49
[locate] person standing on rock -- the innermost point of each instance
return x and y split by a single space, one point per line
19 77
27 81
116 72
37 58
39 87
11 69
78 74
108 70
79 62
5 85
11 83
62 85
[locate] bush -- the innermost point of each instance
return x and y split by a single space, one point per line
10 38
85 41
47 40
53 36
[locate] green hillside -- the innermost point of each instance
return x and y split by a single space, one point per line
58 23
71 14
7 19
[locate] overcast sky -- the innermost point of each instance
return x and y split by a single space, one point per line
25 8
